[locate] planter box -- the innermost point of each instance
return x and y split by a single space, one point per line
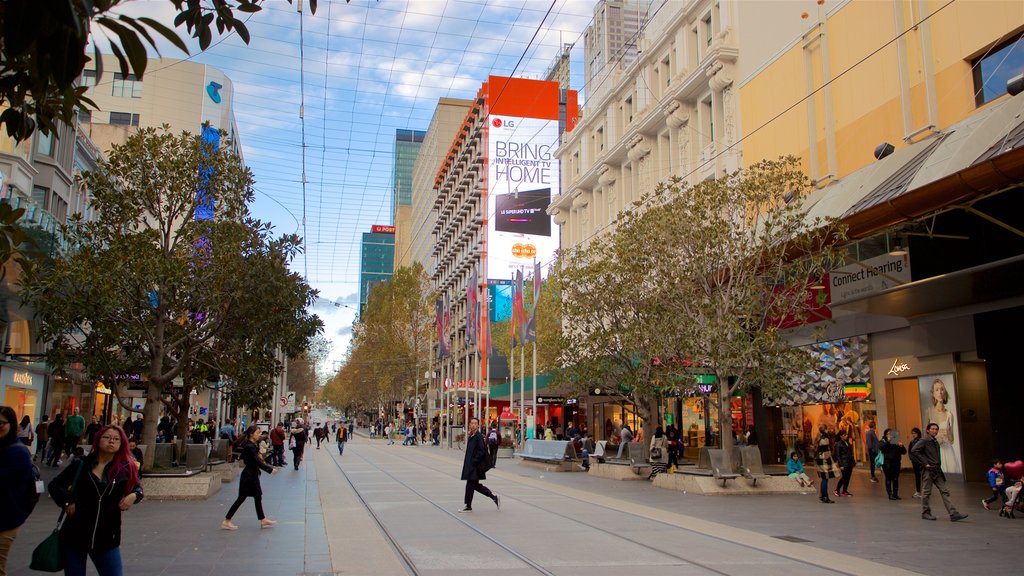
505 452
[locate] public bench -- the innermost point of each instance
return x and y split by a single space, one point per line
631 452
549 451
751 465
220 452
196 457
718 469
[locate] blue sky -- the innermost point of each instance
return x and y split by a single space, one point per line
368 68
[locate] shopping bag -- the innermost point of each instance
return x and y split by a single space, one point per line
47 556
879 459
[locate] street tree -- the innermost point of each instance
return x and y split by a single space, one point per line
549 330
173 279
701 279
44 47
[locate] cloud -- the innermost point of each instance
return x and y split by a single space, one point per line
344 331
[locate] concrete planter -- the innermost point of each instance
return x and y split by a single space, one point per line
504 452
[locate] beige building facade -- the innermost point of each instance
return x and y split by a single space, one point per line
671 112
182 94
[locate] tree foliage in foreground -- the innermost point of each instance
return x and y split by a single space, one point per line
390 345
148 289
699 279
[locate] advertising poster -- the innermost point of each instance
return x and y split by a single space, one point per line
938 405
522 178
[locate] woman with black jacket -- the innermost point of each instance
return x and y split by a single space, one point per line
892 455
107 484
249 482
844 457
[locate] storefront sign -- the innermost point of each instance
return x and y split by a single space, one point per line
550 400
382 229
22 378
868 277
898 368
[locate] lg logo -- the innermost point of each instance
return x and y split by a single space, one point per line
498 123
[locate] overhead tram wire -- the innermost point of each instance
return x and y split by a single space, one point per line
302 122
323 129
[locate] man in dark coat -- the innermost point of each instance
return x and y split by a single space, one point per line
473 470
926 454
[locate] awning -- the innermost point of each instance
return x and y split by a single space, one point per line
980 155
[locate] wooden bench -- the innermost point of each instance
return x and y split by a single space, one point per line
550 451
751 465
718 469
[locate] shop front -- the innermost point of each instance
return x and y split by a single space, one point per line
23 390
838 395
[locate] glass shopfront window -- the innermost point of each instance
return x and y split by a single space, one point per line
23 401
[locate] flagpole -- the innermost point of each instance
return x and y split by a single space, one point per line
535 374
522 379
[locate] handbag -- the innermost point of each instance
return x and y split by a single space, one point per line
656 453
879 459
47 556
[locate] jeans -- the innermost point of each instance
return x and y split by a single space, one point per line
341 448
824 487
278 455
871 460
844 483
107 562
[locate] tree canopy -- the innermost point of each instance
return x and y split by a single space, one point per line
150 289
699 279
390 345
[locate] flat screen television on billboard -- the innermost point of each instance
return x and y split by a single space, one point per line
524 212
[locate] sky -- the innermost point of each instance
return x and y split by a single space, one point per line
358 71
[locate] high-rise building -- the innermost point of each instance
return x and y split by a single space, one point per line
376 260
444 125
407 147
610 43
182 94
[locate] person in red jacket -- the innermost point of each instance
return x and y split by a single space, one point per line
277 436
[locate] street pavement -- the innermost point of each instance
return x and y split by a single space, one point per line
381 510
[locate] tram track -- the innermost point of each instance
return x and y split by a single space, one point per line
410 564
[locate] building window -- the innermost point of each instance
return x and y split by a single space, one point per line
44 143
88 78
708 33
124 119
127 86
628 109
85 115
992 70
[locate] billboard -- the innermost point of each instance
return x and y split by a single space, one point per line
522 177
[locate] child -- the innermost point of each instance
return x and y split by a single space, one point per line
796 470
997 483
1011 498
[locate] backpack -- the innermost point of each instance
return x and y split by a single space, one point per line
492 438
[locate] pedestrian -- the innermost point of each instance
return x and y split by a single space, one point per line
91 429
823 461
277 436
341 438
17 483
249 481
94 493
625 437
659 453
844 458
74 427
926 452
137 426
892 460
672 445
318 433
42 438
25 434
56 433
872 447
227 431
795 467
387 432
299 437
750 438
915 437
997 482
474 467
493 442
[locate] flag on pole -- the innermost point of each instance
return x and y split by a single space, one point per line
471 308
530 329
441 323
518 311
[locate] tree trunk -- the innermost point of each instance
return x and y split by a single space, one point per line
150 416
725 426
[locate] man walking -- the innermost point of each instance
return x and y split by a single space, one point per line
74 426
341 439
926 454
871 444
277 436
474 467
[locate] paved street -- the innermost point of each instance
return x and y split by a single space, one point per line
550 523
